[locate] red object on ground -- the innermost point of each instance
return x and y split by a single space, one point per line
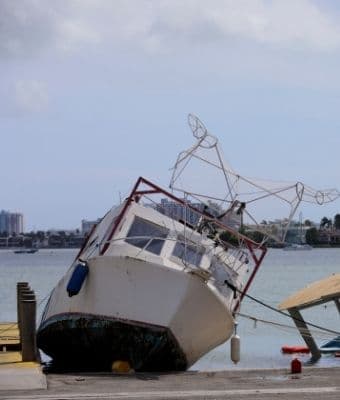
296 366
295 349
337 354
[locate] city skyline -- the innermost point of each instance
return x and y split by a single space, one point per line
96 94
166 207
11 222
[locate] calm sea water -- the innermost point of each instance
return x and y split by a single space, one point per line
281 274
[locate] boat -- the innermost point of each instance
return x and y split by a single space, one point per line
298 246
332 346
314 295
295 349
160 279
25 251
148 289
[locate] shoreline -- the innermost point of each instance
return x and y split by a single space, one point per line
39 248
77 248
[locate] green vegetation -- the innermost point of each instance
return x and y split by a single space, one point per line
328 232
312 236
42 239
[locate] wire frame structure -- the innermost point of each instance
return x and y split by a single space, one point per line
201 173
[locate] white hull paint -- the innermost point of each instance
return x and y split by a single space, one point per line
134 290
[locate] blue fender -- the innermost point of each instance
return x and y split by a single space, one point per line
77 279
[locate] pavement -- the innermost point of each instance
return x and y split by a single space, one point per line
15 374
26 381
312 383
18 375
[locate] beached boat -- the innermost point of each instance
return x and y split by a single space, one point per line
148 289
161 276
156 284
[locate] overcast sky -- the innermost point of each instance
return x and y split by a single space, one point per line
94 93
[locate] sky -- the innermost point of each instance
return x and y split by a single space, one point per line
95 93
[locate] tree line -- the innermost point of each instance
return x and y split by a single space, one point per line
41 239
328 232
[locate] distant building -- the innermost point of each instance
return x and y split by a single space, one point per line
232 220
11 223
179 212
3 222
86 225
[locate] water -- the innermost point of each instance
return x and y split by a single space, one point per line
281 274
41 270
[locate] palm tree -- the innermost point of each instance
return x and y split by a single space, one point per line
325 223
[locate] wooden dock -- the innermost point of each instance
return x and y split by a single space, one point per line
9 337
21 335
19 359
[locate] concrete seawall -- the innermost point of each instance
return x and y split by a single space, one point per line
25 380
312 383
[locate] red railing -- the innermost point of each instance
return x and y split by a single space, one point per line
137 193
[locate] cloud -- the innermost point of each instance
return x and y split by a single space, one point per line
24 27
29 26
289 23
160 24
30 95
75 34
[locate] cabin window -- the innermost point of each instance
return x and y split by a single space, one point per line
144 234
222 272
188 253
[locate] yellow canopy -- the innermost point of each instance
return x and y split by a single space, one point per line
315 293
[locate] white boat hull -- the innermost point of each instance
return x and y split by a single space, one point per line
169 317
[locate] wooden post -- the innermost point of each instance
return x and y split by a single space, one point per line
25 294
20 287
28 337
305 333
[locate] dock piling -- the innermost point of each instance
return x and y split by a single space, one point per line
26 315
25 294
20 287
28 339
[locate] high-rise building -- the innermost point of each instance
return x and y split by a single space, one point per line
86 225
11 222
3 221
179 211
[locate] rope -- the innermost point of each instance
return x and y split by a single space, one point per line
235 289
304 332
11 326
